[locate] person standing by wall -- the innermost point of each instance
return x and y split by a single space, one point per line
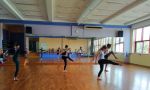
80 52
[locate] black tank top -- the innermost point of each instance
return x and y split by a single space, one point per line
65 52
1 56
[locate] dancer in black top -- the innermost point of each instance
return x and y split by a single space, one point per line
16 61
58 51
65 56
41 53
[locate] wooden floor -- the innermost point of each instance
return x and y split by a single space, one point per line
78 77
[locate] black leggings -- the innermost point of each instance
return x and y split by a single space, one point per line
102 62
41 55
17 66
65 61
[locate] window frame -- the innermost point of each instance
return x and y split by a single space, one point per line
142 41
119 43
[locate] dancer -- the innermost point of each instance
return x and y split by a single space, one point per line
49 51
52 51
103 61
96 54
108 54
1 56
41 53
80 52
16 61
65 56
26 57
58 51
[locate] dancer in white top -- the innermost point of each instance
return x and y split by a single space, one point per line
103 61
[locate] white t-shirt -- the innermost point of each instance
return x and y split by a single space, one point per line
80 51
102 55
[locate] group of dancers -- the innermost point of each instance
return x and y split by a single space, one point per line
102 57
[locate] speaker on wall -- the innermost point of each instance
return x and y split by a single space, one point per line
119 34
28 30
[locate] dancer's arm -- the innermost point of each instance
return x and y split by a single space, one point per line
96 55
114 55
108 54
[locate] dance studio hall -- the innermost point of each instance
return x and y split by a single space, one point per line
74 44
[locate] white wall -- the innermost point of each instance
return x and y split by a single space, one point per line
76 31
51 30
126 35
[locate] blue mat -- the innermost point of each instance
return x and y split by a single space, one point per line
56 56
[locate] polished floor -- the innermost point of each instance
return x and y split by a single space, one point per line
79 77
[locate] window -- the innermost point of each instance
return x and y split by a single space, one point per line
119 44
100 42
142 40
146 33
138 34
95 45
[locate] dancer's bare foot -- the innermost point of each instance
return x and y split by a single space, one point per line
16 79
106 70
65 71
98 78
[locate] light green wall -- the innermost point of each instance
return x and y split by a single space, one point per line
120 56
140 59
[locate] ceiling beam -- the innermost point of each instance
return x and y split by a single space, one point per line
12 8
92 5
125 9
146 17
50 9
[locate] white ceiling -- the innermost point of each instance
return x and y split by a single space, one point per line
69 10
115 12
5 14
31 9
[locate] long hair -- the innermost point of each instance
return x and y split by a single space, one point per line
103 47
